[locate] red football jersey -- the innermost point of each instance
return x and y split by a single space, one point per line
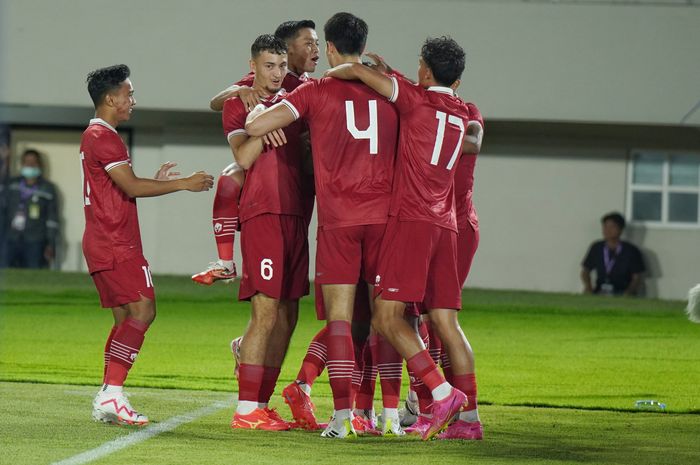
290 82
112 232
433 124
464 181
273 183
354 133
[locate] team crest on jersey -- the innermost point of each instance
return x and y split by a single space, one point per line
218 227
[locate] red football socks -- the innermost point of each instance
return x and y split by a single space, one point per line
390 366
268 382
425 369
467 384
340 363
108 344
365 396
250 378
315 358
123 349
225 215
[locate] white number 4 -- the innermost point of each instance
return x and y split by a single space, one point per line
442 118
371 131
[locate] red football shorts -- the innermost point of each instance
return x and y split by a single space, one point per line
344 255
275 252
125 283
361 309
418 263
467 243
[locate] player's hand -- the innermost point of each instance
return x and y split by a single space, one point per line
275 138
379 63
251 97
199 181
163 173
344 71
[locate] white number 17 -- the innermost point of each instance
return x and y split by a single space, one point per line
442 118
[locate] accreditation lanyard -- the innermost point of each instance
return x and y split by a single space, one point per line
25 192
608 260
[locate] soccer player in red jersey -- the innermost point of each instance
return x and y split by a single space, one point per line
112 240
303 54
273 239
423 218
353 134
468 425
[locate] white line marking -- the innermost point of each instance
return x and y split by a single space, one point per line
142 435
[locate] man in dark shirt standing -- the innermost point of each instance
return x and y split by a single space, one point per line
618 264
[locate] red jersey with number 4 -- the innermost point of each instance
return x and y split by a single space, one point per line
273 183
464 180
112 232
433 124
354 132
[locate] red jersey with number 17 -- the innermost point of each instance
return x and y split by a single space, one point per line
112 232
433 124
354 132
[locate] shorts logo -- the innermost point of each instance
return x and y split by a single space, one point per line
218 227
393 289
377 279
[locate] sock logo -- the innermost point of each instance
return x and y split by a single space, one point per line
133 356
218 227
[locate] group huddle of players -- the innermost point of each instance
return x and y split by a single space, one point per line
390 164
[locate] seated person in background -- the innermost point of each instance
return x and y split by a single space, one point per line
29 216
618 264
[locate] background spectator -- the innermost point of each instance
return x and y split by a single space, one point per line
618 264
29 216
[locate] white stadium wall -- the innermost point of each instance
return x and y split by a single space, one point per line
539 201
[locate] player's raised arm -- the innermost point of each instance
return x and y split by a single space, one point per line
473 138
373 78
133 186
248 95
276 117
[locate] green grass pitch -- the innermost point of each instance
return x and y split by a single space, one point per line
558 377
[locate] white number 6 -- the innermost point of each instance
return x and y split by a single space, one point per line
266 269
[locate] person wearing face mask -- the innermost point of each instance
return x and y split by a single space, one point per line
29 216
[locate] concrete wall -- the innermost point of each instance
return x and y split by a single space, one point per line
575 61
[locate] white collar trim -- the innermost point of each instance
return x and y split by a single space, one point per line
102 122
442 90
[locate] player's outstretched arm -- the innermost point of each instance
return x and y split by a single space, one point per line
124 177
248 95
260 123
473 138
373 78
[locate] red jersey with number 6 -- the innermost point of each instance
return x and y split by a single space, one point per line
354 133
433 124
112 232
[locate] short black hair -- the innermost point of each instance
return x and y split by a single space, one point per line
347 32
104 80
289 30
35 153
268 43
445 58
616 218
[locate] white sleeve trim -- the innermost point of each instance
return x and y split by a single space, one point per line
115 164
291 107
235 132
395 89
